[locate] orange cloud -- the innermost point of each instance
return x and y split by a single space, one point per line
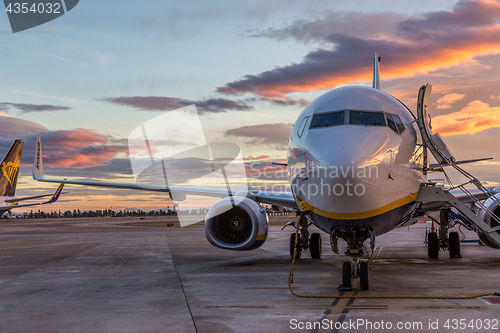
438 40
476 117
446 101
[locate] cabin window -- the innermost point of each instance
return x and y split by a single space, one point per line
391 123
328 119
366 118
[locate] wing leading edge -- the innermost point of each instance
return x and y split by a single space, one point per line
282 199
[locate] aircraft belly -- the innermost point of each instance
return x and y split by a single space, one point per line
381 208
379 223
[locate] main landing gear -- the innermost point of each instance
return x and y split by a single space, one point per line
313 243
445 240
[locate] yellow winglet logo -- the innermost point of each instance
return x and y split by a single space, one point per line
58 191
10 170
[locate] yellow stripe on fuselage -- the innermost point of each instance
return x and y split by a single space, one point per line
305 206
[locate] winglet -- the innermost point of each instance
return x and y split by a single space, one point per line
37 163
376 72
56 195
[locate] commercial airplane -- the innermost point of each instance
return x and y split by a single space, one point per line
8 181
357 166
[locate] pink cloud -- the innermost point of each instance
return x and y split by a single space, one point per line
476 117
78 148
446 101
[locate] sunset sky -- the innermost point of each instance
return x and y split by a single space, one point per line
86 80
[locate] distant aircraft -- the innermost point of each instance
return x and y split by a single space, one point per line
358 167
8 181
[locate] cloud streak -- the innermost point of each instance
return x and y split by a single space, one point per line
436 40
287 102
308 31
270 134
29 108
159 103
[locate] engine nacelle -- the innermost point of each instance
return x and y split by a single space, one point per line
236 223
486 217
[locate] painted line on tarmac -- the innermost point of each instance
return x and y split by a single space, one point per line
350 307
230 307
378 250
339 308
457 307
269 288
342 306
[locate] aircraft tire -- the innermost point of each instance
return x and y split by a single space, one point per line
346 274
432 245
315 245
454 245
364 277
292 246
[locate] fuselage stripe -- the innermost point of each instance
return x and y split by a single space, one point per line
305 206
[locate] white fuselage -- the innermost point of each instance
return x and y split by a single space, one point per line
349 167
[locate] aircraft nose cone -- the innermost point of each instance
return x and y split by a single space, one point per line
355 146
345 173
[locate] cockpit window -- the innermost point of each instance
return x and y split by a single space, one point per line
399 124
302 126
391 123
366 118
328 119
395 123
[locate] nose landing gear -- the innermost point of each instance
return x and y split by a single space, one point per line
355 268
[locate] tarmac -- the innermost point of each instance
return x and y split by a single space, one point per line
133 275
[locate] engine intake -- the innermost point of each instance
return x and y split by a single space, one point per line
236 223
493 206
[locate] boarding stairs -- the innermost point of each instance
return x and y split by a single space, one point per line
430 192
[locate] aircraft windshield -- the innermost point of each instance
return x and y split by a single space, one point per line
391 123
395 123
328 119
366 118
399 124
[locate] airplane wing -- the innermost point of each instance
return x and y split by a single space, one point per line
436 165
284 199
53 199
31 198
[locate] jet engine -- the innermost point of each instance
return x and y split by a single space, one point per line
236 223
494 207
